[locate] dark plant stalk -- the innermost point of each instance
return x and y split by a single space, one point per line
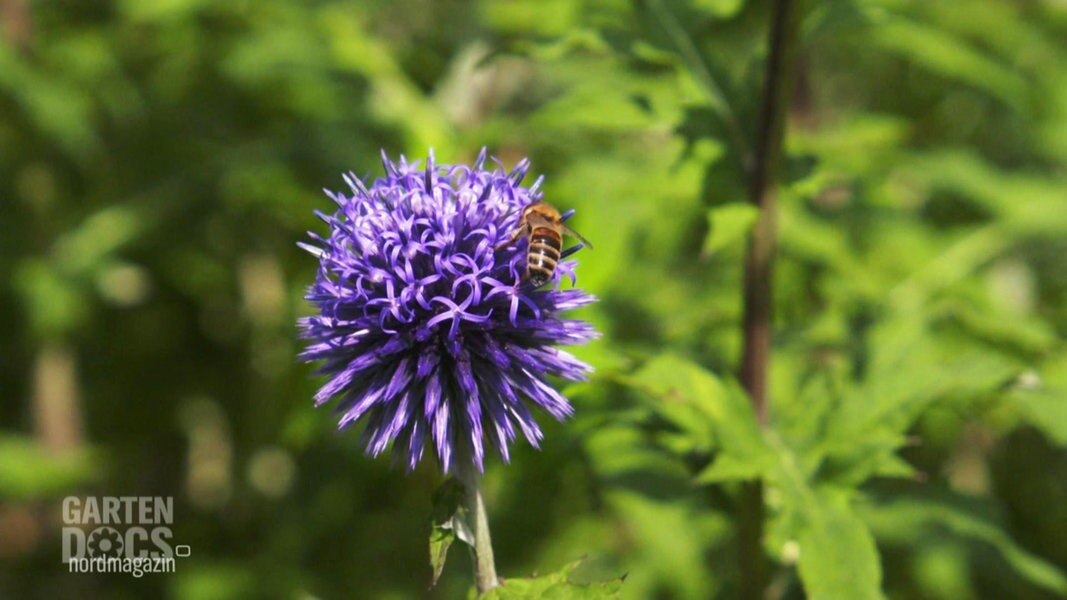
56 403
484 566
759 270
16 23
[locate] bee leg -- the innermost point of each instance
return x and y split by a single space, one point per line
519 232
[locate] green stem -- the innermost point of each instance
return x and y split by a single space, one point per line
758 277
484 565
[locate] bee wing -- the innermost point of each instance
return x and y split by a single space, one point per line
579 236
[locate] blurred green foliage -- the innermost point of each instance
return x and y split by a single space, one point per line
159 161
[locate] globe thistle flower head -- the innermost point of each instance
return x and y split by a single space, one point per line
425 325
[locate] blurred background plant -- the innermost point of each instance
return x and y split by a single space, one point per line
159 160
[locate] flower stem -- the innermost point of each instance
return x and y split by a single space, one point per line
484 566
759 269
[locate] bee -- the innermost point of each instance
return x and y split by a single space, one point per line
543 225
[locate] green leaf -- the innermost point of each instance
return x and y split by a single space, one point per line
597 103
394 98
722 9
449 522
696 64
1041 398
947 55
555 586
697 401
940 370
1047 411
850 463
441 538
670 536
1027 202
728 224
28 470
84 249
161 11
547 18
911 520
56 304
619 449
838 558
215 579
61 111
728 468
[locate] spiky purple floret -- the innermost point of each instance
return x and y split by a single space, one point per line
424 324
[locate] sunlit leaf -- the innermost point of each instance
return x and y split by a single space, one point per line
720 8
448 524
728 224
557 586
28 470
838 558
691 397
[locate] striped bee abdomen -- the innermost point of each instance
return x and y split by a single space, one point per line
543 254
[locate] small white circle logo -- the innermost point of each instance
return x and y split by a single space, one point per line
105 541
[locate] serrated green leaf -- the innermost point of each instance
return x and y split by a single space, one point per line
940 370
728 468
728 224
893 466
595 104
838 558
873 455
698 402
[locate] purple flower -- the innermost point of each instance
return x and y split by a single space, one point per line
425 325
